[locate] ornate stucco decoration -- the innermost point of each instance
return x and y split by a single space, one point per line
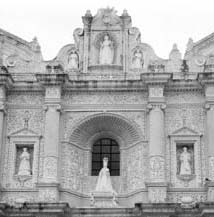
107 17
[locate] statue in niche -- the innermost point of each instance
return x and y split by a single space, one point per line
73 60
104 180
106 51
24 166
137 61
185 162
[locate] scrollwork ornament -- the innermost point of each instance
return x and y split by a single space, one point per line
209 106
152 106
52 107
200 61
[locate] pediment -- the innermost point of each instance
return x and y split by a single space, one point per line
185 131
24 132
204 47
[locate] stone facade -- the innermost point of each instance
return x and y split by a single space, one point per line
153 108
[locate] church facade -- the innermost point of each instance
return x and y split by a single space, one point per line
108 96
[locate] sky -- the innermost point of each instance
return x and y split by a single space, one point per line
161 22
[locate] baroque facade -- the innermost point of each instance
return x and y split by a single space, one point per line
107 86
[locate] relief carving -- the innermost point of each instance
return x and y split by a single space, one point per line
211 168
157 168
157 195
50 168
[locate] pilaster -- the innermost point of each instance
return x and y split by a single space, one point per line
48 185
157 186
6 82
207 81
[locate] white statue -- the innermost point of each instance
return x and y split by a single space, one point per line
137 61
24 166
106 51
185 162
104 180
73 60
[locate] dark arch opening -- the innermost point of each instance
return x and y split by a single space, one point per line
106 147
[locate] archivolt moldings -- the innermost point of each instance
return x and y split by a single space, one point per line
105 122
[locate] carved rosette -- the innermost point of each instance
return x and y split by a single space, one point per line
157 169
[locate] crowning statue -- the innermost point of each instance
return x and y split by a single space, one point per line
185 162
24 166
104 180
73 60
106 51
137 61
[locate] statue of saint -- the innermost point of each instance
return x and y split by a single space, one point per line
137 61
185 162
106 51
24 166
104 180
73 60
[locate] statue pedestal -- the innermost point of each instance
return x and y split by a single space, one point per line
103 199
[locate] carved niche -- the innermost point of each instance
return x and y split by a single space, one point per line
72 59
105 43
24 145
185 145
137 61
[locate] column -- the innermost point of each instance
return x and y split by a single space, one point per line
209 106
48 187
2 117
157 188
6 83
2 113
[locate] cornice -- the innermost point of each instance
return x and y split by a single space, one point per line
51 79
183 85
206 78
156 78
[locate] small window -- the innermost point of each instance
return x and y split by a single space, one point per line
106 148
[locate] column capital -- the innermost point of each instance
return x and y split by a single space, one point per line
152 106
56 107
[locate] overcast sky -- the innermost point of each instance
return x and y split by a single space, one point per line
161 22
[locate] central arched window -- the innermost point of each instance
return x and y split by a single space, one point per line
109 148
